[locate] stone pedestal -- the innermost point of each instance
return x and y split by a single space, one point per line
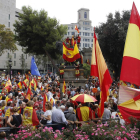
69 76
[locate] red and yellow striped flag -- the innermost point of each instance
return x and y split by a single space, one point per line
45 99
76 28
19 85
64 87
130 70
100 70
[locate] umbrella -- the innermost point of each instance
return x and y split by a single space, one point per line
83 98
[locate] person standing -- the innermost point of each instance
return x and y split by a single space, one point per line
61 70
106 114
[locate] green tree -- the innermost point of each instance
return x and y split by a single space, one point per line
111 37
7 41
38 33
86 68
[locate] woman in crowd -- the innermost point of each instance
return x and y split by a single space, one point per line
15 120
95 117
47 117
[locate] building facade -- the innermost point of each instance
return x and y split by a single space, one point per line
85 29
8 15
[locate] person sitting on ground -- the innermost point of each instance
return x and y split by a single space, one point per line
15 120
47 117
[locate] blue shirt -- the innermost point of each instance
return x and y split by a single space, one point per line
58 116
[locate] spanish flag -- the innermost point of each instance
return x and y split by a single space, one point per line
130 70
130 108
70 54
100 70
26 83
45 99
64 87
76 28
30 117
19 85
29 92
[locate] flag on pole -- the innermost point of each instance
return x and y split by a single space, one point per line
19 85
130 70
76 28
34 69
64 87
100 70
26 83
70 54
29 92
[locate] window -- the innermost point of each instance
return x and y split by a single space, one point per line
8 24
85 15
68 33
14 63
14 55
83 23
86 34
79 33
72 33
26 56
88 45
83 33
83 44
68 28
91 40
72 28
9 16
91 45
8 55
91 34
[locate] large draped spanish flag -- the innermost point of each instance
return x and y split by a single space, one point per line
130 70
100 70
70 54
130 108
30 117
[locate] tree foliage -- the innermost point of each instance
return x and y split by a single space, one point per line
38 32
7 41
86 68
111 36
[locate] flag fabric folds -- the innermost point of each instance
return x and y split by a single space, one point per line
130 108
30 117
100 70
70 54
45 99
26 83
64 87
29 92
76 28
19 85
34 69
130 70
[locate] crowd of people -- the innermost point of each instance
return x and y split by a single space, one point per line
17 109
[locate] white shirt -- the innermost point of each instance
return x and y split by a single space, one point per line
48 113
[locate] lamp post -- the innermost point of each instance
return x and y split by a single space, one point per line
10 65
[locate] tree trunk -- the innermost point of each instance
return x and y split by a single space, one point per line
57 69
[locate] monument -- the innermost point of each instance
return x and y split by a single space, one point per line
72 69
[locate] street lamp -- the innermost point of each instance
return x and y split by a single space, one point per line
10 65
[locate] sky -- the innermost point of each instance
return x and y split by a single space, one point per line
65 11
